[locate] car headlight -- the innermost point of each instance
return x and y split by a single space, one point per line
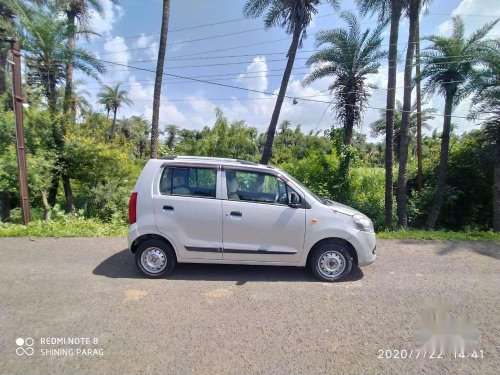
363 223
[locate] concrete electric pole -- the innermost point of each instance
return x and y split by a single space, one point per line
17 96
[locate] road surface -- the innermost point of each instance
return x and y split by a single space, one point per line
80 307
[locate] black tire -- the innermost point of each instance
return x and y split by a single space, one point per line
339 253
163 252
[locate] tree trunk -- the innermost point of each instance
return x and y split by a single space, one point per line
52 198
46 206
158 79
496 189
113 124
390 104
67 106
267 152
443 165
5 206
68 193
52 96
349 119
3 68
68 93
420 172
405 117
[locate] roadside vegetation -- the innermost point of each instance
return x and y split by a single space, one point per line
83 160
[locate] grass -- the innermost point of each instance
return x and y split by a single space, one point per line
439 235
66 228
95 228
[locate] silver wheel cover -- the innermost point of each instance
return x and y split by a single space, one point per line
332 264
153 260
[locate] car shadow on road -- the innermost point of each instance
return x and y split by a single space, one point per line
122 265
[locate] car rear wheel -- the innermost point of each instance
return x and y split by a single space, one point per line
331 262
155 258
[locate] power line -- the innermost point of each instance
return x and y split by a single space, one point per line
204 81
195 27
253 90
219 36
244 19
445 60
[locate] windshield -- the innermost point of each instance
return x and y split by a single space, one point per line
304 188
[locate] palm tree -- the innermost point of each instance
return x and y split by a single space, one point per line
158 78
449 65
6 20
349 57
388 9
420 169
44 38
413 11
79 99
75 11
295 16
486 104
112 97
172 131
378 127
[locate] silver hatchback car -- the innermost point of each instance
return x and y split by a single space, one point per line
214 210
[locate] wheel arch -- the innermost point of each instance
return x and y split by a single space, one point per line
144 237
336 240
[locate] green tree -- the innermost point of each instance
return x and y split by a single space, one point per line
486 105
295 16
76 11
449 64
6 24
388 9
172 131
377 128
136 129
44 36
113 98
401 196
349 57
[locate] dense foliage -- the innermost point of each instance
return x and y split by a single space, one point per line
103 171
83 161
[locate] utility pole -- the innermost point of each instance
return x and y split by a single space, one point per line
17 96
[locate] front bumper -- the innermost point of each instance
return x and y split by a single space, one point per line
365 245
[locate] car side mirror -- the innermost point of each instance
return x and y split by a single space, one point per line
294 200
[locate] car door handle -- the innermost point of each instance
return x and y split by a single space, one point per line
236 213
168 208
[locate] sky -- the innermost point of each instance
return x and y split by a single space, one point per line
212 41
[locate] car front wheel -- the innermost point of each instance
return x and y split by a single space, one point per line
331 262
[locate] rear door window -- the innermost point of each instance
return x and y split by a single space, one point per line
189 181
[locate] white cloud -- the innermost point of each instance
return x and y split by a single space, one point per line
104 24
116 51
169 113
256 72
150 44
471 8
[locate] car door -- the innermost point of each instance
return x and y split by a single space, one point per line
258 223
188 211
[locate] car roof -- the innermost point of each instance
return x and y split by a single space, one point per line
214 161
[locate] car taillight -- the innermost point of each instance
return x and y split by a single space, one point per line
132 208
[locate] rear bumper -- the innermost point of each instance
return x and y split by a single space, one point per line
132 235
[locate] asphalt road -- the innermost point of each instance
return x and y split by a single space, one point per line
217 319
